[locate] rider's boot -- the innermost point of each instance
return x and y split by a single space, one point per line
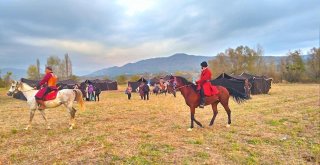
41 103
202 102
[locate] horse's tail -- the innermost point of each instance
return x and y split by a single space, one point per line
79 98
237 96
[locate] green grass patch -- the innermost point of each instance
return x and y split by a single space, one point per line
14 131
254 141
137 160
202 155
196 142
276 122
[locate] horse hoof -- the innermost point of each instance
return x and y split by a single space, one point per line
228 125
189 129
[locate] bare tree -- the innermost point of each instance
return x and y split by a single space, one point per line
38 69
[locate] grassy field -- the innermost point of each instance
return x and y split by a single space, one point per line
279 128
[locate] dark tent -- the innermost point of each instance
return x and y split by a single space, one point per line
260 84
134 85
232 83
19 95
104 85
32 83
67 84
154 81
142 80
64 84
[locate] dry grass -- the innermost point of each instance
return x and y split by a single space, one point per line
279 128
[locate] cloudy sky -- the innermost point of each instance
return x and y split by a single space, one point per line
103 33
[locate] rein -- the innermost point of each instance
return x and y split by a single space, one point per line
28 90
183 86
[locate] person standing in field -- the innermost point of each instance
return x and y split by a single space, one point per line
90 91
141 90
146 91
128 91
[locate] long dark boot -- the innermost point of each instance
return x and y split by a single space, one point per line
202 102
202 99
41 103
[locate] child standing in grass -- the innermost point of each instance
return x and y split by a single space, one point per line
128 91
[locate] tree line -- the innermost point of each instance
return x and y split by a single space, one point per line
292 67
6 80
61 67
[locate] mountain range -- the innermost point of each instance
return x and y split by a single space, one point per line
176 62
171 64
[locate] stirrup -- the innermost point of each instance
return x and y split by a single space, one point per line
201 106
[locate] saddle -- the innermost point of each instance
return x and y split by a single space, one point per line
51 95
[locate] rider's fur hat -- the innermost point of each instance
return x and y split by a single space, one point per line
204 64
49 68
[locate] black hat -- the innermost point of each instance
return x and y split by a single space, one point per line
49 68
204 64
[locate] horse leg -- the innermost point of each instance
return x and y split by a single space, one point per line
226 107
192 110
45 118
32 111
72 112
215 112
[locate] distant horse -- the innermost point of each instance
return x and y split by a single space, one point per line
192 98
65 97
156 90
160 89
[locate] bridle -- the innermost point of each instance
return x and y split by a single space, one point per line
181 86
16 89
177 88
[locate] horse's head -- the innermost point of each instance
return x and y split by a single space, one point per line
175 83
13 88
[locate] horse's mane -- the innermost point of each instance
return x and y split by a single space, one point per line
186 82
26 85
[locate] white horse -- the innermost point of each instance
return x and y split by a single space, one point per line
65 97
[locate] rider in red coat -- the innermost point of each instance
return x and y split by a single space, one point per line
49 83
204 83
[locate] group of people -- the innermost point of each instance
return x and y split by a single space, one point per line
143 91
92 92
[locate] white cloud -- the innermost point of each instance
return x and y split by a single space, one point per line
133 7
106 33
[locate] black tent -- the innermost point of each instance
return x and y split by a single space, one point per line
142 80
154 81
67 84
232 83
104 85
19 95
32 83
63 84
260 84
134 85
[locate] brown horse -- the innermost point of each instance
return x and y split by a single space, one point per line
192 98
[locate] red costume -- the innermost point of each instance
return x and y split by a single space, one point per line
205 83
51 81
